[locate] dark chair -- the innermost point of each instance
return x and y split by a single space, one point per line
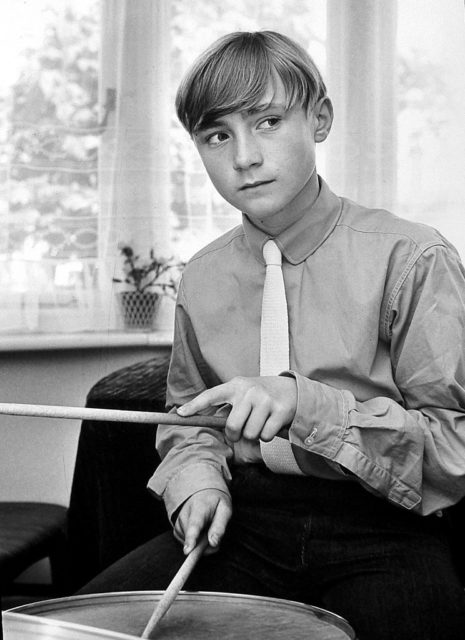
111 511
29 532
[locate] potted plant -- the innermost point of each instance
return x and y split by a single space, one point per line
146 282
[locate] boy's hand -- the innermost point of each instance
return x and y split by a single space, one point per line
207 510
261 406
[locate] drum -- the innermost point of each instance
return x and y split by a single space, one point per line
196 616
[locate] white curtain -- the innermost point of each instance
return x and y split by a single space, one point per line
431 115
361 71
396 72
134 171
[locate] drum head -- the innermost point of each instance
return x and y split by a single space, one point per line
19 626
198 616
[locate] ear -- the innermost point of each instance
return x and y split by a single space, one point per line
323 114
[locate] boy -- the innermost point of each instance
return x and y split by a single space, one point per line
341 455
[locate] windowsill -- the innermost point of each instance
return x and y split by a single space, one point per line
84 340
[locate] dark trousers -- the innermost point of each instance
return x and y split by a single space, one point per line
326 543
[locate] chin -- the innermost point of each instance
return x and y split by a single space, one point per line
258 215
261 210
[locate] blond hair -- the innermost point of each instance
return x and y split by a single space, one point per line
234 73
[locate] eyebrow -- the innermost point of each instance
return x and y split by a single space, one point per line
264 106
208 124
219 122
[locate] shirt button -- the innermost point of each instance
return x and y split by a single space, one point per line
309 440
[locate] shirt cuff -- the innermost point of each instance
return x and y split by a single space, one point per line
321 426
187 481
320 419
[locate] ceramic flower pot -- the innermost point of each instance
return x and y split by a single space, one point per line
139 309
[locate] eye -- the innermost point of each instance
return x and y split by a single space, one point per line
216 138
269 123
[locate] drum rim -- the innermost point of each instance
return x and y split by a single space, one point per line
81 600
29 619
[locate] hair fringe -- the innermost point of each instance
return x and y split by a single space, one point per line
234 73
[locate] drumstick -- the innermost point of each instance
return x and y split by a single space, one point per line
175 587
109 415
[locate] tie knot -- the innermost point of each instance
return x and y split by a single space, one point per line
271 253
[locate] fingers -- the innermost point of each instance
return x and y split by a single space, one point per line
237 419
260 407
207 509
272 427
219 523
193 531
247 420
256 416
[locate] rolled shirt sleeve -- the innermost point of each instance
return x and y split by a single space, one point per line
193 458
413 452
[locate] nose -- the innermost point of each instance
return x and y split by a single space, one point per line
247 152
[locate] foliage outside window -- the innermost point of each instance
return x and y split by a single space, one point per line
49 156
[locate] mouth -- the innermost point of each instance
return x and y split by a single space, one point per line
254 185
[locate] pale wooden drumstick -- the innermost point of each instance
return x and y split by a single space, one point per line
109 415
175 587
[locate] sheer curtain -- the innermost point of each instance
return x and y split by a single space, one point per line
361 72
49 134
431 115
394 71
396 74
134 166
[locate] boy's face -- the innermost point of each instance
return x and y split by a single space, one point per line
263 161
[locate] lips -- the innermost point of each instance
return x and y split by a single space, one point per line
254 185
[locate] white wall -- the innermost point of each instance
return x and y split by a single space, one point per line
37 455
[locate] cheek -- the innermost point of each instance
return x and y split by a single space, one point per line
216 169
304 148
222 182
215 173
298 164
297 151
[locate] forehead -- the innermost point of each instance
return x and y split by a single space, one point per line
274 96
274 92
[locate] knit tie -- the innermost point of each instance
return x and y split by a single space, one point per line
274 351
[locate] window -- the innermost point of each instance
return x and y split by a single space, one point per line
92 155
49 143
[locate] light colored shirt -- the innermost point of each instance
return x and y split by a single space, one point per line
377 332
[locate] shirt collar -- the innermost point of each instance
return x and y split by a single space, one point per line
305 236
